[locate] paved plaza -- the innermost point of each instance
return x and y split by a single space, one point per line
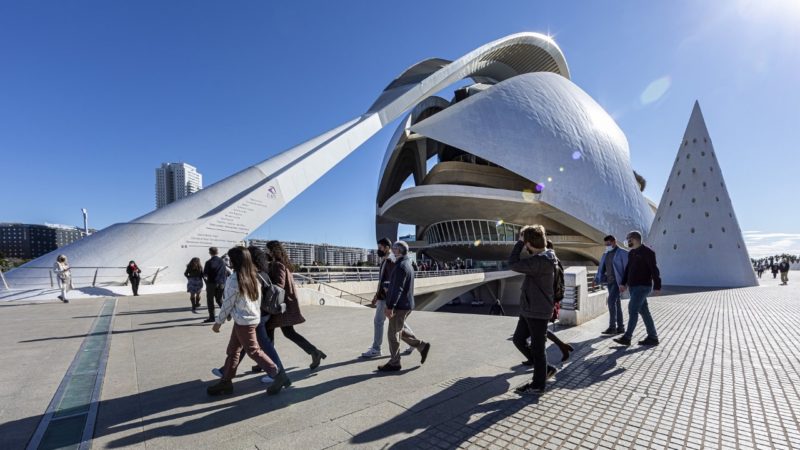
726 375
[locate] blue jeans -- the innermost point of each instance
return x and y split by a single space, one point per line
614 306
638 305
265 343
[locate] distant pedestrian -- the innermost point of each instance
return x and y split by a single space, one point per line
214 273
281 275
134 277
760 270
64 276
242 294
609 272
783 267
536 303
399 304
194 282
379 299
775 270
642 277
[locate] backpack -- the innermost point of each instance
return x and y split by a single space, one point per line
558 282
273 298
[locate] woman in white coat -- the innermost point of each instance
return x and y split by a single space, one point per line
64 276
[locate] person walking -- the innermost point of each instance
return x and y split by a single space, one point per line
399 304
760 270
536 303
558 295
194 282
242 294
134 276
775 270
64 276
214 273
642 277
281 276
379 300
609 272
783 268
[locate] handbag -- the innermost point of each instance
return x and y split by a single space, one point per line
273 298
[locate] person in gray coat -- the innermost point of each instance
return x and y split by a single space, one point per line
610 271
536 303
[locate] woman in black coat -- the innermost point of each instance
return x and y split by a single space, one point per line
281 276
134 276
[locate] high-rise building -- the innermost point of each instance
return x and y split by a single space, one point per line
27 241
303 254
175 181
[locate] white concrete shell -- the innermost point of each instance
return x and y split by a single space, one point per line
225 213
543 127
695 234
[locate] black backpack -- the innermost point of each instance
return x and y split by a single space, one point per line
558 281
273 298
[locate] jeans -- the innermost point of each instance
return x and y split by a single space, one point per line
638 305
614 307
295 337
265 343
397 327
380 319
244 337
536 329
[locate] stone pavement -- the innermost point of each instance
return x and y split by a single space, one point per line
725 376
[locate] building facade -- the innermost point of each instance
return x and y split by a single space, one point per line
175 181
28 241
304 254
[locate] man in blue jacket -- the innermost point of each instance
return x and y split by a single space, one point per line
610 271
399 304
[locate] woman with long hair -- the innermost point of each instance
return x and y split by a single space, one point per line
63 275
194 283
281 275
241 301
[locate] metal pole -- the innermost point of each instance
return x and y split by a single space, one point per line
94 280
156 275
4 279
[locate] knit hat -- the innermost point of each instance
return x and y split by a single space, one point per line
402 246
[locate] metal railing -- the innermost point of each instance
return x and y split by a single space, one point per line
82 276
304 280
329 276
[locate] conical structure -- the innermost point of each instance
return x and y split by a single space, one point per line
695 233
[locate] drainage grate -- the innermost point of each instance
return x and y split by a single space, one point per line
70 417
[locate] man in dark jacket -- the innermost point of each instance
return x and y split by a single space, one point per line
783 267
214 273
641 277
536 302
399 304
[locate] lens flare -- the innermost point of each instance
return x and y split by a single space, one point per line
561 169
477 242
576 155
500 222
549 179
655 90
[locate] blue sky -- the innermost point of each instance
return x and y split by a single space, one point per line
95 95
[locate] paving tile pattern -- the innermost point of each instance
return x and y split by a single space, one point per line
726 375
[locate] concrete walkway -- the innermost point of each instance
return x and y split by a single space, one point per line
726 375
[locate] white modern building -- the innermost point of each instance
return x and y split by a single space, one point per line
334 255
175 181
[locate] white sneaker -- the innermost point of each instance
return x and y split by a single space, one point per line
267 379
408 351
217 373
371 353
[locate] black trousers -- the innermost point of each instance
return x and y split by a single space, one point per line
213 293
135 284
536 329
295 337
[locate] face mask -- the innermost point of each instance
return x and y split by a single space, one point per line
392 257
609 248
381 253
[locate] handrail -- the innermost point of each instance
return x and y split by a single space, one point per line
94 274
334 288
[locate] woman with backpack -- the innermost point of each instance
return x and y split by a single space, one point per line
282 277
241 301
194 283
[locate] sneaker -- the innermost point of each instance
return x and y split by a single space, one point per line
217 372
209 320
267 379
620 330
622 340
281 381
529 389
256 369
424 352
408 351
528 363
389 368
371 353
221 388
649 341
609 331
